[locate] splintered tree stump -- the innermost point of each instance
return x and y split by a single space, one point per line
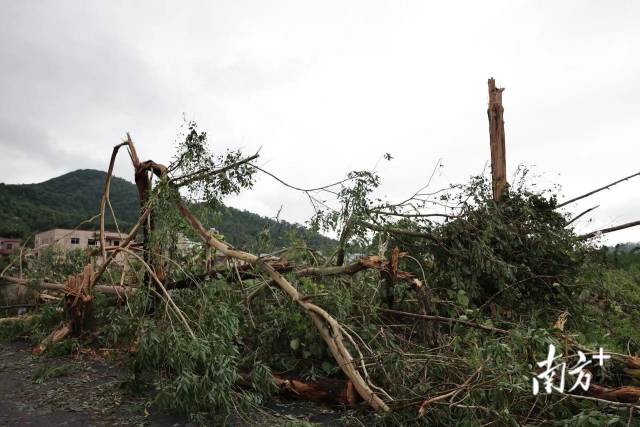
497 140
77 310
78 302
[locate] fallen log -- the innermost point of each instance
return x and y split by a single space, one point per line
624 394
245 271
16 319
327 326
330 391
119 291
54 337
329 329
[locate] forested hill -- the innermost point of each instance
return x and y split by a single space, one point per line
69 199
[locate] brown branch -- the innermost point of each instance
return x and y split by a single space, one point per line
54 337
124 244
105 197
575 199
328 327
119 291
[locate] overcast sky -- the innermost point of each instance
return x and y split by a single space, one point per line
326 87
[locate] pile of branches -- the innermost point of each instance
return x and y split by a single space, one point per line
440 322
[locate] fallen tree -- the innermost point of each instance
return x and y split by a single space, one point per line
438 323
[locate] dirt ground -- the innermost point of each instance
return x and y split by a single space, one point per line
80 390
85 390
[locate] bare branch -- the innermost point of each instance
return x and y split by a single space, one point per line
575 199
610 229
399 231
574 219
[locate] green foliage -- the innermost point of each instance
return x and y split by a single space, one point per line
64 202
32 328
45 373
609 301
516 251
200 377
195 160
513 265
67 200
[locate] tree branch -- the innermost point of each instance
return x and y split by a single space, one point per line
610 229
575 199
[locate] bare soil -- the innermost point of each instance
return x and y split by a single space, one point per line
80 390
85 390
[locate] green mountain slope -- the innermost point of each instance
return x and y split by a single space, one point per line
69 199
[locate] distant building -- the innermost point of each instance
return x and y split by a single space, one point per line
8 245
75 239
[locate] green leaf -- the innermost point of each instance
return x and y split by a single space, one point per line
462 298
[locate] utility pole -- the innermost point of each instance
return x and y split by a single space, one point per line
496 138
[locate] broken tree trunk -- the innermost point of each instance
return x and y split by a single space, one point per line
119 291
325 390
496 139
54 337
329 328
78 302
78 309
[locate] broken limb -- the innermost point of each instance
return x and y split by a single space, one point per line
609 230
119 291
577 217
327 326
606 187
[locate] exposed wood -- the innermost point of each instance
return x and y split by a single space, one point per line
123 245
325 390
497 140
246 271
105 197
625 394
328 327
78 301
54 337
575 199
